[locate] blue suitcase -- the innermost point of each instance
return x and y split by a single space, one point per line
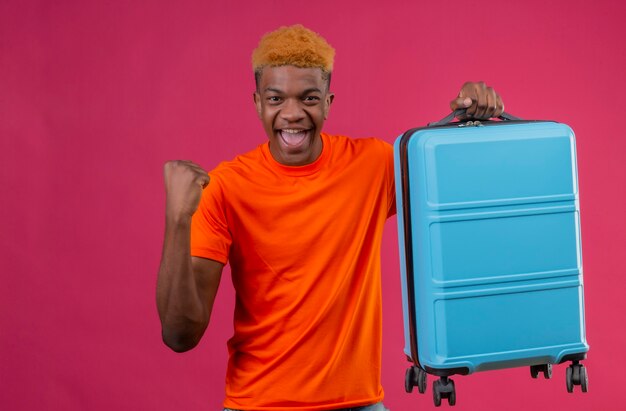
490 251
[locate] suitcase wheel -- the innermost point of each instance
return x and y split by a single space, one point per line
415 376
569 380
436 395
422 381
576 374
545 368
444 388
584 379
409 379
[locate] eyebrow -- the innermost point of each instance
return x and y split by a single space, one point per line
275 90
307 91
312 90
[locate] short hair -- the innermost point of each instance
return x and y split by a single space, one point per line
293 46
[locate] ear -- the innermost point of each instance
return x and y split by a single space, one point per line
327 102
257 102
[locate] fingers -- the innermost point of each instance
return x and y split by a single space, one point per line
183 164
460 102
499 106
204 181
490 105
185 170
202 177
478 95
495 107
485 102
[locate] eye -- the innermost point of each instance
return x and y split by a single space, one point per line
274 99
311 99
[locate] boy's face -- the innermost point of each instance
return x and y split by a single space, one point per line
293 103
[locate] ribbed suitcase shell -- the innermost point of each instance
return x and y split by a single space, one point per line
488 220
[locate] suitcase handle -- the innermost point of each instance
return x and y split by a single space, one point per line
448 119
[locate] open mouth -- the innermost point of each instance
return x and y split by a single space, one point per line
293 138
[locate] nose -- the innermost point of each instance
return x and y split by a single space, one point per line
292 111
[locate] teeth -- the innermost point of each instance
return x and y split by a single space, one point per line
292 137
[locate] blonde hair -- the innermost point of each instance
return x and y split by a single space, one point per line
293 46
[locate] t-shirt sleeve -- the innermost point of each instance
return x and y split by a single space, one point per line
210 236
390 177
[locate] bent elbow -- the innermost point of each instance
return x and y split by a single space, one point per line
178 346
179 342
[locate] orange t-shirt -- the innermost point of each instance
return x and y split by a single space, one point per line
303 244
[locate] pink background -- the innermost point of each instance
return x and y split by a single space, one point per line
96 96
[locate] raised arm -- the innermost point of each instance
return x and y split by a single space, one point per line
186 285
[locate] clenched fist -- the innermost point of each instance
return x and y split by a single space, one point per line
184 182
481 102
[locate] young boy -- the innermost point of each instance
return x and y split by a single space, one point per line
300 220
